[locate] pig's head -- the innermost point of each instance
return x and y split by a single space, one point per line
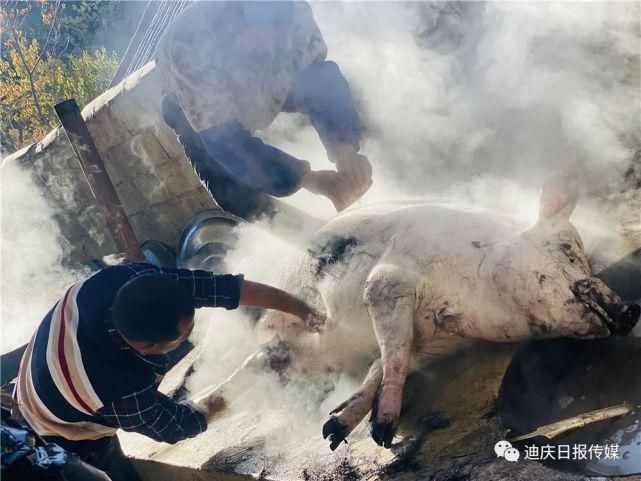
547 274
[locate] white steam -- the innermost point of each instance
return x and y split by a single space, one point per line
454 92
473 102
31 253
513 89
469 102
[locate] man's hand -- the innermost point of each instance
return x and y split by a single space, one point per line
315 320
210 403
255 294
331 185
344 187
353 166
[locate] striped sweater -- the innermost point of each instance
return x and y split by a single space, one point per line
80 380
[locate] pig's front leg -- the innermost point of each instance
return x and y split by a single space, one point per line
390 296
350 413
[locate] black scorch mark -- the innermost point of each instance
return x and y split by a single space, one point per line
330 251
278 356
538 328
569 252
447 321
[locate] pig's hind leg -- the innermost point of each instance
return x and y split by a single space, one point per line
390 295
347 415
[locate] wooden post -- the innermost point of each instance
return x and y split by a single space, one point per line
98 179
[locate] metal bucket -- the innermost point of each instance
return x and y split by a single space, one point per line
206 239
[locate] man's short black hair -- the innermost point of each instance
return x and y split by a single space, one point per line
148 308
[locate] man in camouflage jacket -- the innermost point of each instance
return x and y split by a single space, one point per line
228 68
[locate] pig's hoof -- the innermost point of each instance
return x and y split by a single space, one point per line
336 431
383 433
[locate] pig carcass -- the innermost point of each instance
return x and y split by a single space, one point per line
405 283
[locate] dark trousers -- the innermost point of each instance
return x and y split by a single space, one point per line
230 194
104 454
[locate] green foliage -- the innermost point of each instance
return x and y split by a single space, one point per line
51 60
83 20
79 25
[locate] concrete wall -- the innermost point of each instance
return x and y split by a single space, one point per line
158 188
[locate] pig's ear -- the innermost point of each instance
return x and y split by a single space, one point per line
559 196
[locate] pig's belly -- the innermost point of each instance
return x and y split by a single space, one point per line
432 240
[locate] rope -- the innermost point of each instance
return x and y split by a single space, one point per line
145 44
148 47
168 11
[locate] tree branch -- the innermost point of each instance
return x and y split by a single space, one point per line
53 24
29 75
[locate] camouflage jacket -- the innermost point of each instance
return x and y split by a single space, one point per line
215 82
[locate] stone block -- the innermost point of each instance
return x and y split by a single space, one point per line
167 138
147 224
106 130
179 176
153 188
131 198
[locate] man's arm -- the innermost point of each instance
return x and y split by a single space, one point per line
255 294
155 415
230 291
260 166
269 170
322 93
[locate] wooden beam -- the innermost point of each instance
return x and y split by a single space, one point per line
98 179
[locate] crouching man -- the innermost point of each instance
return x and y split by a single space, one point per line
95 362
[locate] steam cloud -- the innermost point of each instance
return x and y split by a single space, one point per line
32 275
471 102
459 92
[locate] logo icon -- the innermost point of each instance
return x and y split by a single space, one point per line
512 454
504 449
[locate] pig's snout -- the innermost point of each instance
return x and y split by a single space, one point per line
619 317
624 318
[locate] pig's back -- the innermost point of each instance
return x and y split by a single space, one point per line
419 229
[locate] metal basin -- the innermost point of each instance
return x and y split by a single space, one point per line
206 239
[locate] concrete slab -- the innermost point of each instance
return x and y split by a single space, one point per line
278 441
